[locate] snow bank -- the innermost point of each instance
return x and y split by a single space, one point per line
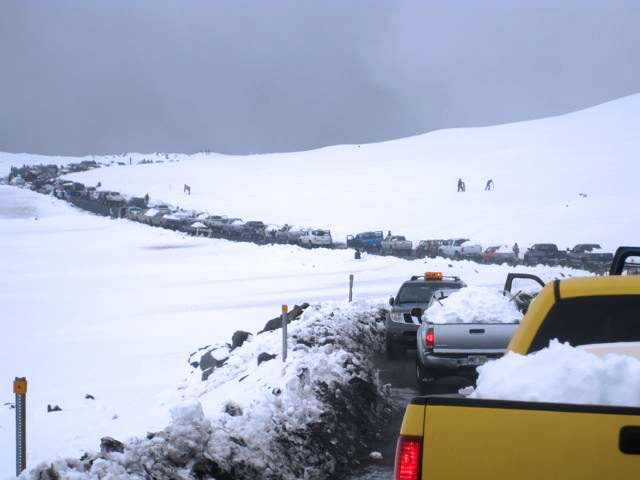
564 374
473 305
308 417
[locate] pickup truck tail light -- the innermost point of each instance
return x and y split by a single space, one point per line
408 458
430 338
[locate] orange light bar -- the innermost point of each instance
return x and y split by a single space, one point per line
432 276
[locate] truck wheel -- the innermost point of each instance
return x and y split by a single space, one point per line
423 375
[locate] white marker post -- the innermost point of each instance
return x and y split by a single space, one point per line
350 287
285 319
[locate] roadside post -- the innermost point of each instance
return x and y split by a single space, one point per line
350 287
285 320
20 389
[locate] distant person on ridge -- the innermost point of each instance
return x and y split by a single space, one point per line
489 185
460 185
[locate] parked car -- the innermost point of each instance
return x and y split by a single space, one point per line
212 220
429 248
254 231
499 254
135 213
589 256
231 227
407 307
199 229
368 241
315 238
176 221
396 245
452 248
295 232
546 254
471 251
154 215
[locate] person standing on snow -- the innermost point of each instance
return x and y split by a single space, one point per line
489 185
460 185
516 253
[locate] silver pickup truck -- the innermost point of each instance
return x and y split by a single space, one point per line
445 349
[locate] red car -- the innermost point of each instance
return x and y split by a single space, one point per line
498 254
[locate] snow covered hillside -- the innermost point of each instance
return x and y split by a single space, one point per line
408 186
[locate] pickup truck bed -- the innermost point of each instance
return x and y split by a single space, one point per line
460 346
529 440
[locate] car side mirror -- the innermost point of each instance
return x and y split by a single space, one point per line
391 301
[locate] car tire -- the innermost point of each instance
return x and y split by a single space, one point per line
423 375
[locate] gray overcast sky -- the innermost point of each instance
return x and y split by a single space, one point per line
252 76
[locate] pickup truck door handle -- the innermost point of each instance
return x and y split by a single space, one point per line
629 441
476 330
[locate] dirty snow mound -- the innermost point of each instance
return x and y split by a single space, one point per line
309 417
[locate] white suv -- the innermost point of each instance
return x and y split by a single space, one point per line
315 238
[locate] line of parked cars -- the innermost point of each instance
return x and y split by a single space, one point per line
46 179
588 256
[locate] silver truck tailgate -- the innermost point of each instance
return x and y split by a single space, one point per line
472 337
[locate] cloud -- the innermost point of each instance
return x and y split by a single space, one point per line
254 76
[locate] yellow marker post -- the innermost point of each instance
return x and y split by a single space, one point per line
285 320
20 389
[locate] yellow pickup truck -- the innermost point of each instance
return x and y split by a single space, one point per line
455 437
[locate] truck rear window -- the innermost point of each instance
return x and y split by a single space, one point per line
587 320
417 293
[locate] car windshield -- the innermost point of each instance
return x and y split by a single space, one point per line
416 293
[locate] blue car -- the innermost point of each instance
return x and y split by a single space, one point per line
368 241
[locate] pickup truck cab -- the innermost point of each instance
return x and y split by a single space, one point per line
396 245
315 238
545 254
453 248
529 439
368 241
589 256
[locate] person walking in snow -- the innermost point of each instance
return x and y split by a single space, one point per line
460 185
516 253
489 185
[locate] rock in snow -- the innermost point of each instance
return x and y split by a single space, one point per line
310 417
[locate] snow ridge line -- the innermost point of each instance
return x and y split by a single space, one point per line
309 418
